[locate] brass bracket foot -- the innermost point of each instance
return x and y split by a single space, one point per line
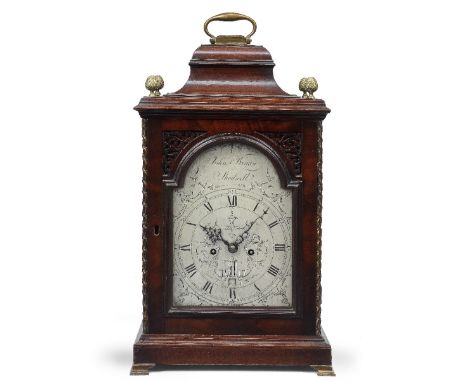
324 370
141 368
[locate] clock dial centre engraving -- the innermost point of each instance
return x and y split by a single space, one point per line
232 231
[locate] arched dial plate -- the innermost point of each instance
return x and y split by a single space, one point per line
232 235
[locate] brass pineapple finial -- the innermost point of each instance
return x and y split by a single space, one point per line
308 85
154 84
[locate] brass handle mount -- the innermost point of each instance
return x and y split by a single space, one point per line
230 39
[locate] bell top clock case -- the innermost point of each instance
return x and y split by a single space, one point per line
231 198
232 202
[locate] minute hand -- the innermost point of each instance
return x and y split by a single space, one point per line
240 238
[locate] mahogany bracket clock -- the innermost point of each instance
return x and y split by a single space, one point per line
232 201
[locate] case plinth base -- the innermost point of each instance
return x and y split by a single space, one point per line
151 350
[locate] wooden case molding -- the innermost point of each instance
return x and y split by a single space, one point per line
231 94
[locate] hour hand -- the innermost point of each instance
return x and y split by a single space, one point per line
222 238
210 232
214 234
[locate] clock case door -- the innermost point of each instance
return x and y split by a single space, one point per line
251 109
288 180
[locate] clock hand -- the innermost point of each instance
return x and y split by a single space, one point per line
223 239
215 234
240 238
232 247
210 232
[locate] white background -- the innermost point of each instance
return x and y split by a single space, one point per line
395 220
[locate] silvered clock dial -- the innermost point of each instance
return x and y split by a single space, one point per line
232 236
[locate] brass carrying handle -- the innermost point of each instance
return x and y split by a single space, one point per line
230 39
